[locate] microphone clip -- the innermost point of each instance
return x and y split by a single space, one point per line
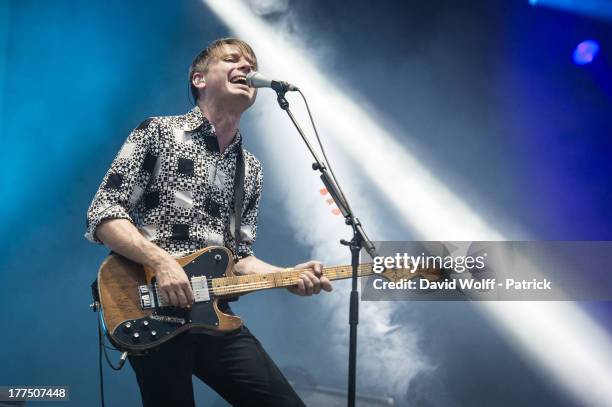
282 87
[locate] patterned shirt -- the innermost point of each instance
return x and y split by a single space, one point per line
173 183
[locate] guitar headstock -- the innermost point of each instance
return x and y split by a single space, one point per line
397 274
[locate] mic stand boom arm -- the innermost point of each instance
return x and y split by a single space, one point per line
358 241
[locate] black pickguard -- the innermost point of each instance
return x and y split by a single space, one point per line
165 322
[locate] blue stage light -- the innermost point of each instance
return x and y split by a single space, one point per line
594 8
586 52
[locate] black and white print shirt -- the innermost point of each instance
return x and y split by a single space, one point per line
171 181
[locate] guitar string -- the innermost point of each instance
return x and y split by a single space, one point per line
292 274
274 280
230 288
239 287
331 272
242 288
267 283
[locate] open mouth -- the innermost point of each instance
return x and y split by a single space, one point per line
241 80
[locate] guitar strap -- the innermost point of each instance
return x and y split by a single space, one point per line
238 197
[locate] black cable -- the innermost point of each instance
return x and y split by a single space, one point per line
100 345
331 171
105 347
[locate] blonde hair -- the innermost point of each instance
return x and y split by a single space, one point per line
214 50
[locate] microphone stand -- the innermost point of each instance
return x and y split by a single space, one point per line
359 240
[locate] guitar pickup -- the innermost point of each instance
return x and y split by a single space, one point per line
199 286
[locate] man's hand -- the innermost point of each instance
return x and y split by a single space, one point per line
173 283
122 237
311 279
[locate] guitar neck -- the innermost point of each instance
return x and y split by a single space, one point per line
236 285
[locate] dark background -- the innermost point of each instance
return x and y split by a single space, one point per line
486 92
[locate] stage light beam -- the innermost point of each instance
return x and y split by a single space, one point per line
601 9
538 330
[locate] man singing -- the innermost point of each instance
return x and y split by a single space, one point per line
170 192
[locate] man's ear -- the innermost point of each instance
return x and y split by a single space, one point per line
198 80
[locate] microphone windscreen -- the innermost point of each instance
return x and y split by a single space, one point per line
256 80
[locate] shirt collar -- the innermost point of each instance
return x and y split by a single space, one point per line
195 120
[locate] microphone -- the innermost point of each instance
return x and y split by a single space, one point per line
257 80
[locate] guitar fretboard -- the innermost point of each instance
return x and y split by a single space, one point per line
253 282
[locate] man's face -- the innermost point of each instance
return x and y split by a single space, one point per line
226 79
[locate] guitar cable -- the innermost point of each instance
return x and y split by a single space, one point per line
102 348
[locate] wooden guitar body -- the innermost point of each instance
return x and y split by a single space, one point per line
132 315
137 319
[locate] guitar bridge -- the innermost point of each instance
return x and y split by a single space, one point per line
147 299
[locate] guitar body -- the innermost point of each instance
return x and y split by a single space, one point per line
134 316
137 319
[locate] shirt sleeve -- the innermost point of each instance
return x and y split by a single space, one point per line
126 180
248 228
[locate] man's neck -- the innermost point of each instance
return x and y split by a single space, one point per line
225 121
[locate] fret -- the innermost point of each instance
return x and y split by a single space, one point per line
253 282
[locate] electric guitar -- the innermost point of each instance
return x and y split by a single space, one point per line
136 318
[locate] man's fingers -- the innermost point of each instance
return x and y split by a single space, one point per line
308 284
301 288
315 266
316 282
326 284
183 292
311 279
188 292
172 298
182 299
